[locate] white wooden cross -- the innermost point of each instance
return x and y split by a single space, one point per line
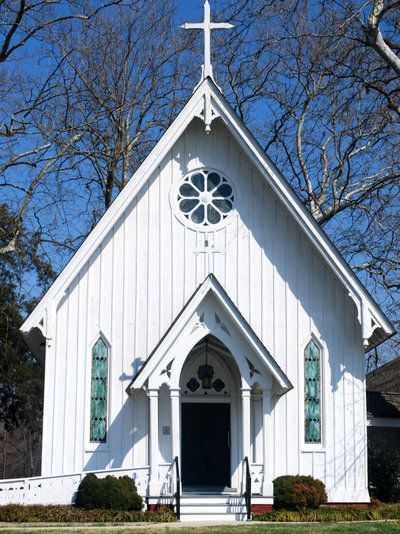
209 250
207 26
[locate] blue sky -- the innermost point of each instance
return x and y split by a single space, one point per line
192 9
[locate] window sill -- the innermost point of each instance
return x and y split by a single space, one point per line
97 447
313 448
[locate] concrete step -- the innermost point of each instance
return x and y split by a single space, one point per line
212 509
212 517
209 500
204 507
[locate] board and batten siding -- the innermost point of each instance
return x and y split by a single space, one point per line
147 267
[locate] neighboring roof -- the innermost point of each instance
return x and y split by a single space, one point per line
376 327
383 390
380 404
385 378
185 319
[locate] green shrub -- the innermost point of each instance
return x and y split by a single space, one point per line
297 492
383 471
109 493
16 513
332 513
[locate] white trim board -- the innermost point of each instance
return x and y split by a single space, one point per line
389 422
376 326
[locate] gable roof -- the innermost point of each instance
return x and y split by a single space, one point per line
381 404
385 378
383 390
207 102
187 319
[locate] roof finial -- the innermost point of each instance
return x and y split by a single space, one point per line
207 26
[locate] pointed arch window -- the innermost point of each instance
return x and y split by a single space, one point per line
98 392
312 393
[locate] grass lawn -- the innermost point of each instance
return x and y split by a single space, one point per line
378 527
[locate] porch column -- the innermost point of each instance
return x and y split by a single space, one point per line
267 443
175 422
246 418
154 445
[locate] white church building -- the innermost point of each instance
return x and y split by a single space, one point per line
207 323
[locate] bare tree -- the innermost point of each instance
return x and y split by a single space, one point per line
128 78
79 128
27 157
25 20
319 84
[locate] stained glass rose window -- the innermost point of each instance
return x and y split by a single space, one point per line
205 198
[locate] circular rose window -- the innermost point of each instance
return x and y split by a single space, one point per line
205 198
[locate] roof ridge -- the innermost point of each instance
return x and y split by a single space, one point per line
395 360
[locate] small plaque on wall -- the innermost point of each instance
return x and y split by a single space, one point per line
166 430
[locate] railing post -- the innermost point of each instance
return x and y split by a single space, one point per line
178 489
247 493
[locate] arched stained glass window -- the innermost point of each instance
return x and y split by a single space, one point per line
98 394
312 393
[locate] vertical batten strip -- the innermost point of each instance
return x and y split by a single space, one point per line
147 294
292 253
79 422
66 384
58 435
118 408
49 397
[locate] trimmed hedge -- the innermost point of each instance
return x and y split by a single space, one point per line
109 493
331 513
297 492
35 513
15 513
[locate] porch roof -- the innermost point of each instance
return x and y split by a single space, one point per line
162 358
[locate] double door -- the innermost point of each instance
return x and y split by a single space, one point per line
206 458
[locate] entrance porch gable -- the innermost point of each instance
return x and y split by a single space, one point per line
210 316
210 311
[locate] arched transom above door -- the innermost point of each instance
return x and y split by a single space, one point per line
209 371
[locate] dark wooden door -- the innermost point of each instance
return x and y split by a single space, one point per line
205 444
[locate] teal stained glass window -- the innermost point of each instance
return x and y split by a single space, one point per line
98 393
312 393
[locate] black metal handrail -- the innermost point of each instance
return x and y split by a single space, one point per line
177 494
247 493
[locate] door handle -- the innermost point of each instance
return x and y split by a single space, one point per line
229 438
